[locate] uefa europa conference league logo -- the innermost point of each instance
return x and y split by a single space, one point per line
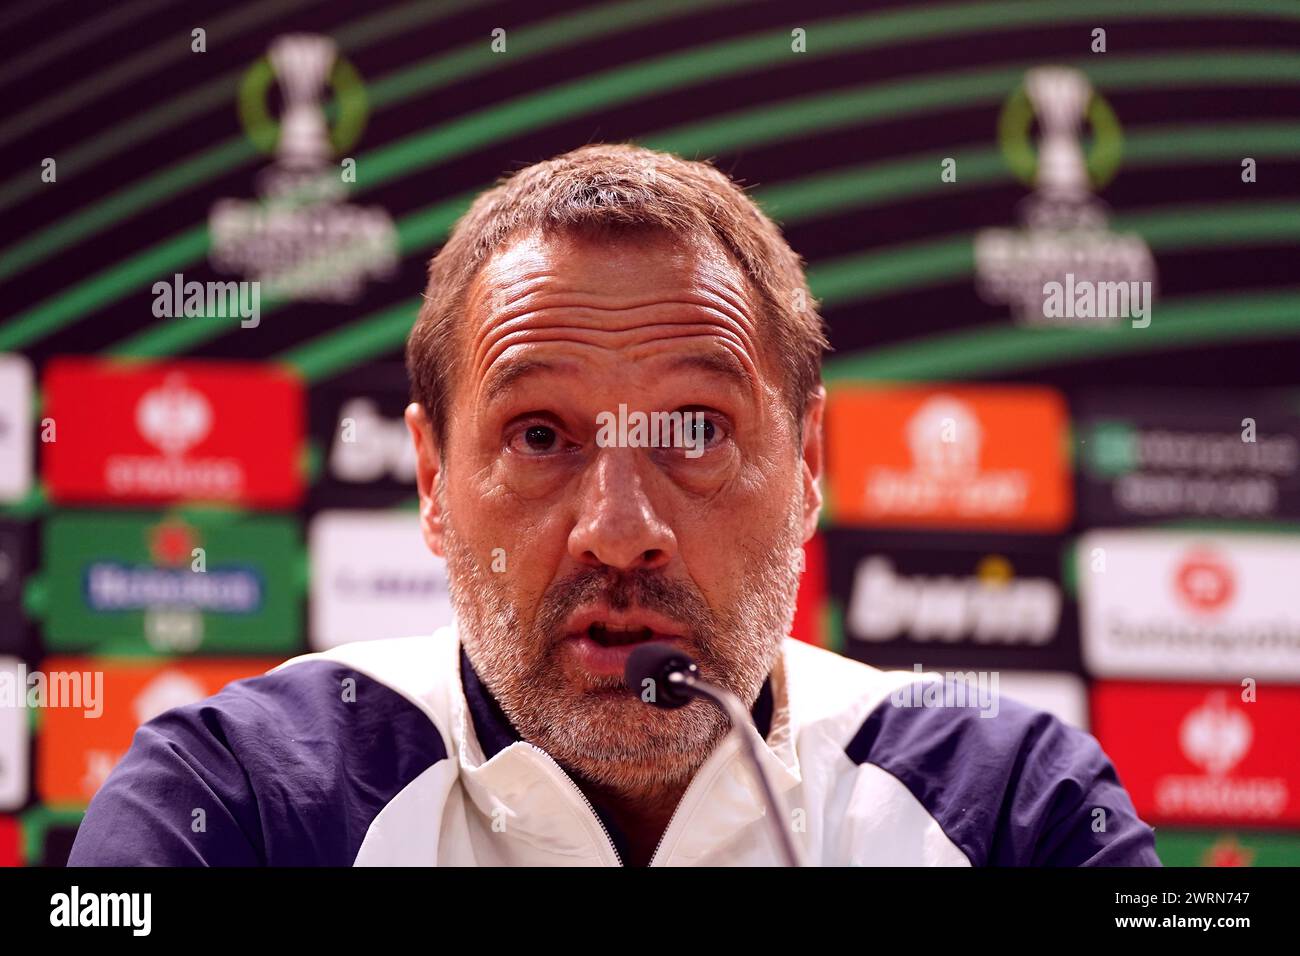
1064 267
301 240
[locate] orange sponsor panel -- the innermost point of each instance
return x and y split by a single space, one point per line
961 457
76 749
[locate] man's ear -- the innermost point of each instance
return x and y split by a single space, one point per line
427 464
812 461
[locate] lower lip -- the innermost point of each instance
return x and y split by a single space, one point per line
607 661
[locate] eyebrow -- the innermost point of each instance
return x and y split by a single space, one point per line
719 363
510 372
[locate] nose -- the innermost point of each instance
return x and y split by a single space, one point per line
617 525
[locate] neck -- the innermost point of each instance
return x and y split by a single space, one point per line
641 816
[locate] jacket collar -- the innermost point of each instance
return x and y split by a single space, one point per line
508 777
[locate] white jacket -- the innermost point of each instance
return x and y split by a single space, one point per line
391 753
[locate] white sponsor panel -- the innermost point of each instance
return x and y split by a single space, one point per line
15 427
13 738
1060 694
1190 605
372 577
986 608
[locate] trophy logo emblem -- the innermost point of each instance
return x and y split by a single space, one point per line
1060 99
1064 266
301 239
302 64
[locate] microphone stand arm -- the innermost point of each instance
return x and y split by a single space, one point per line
738 716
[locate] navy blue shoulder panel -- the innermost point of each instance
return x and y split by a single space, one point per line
1021 788
288 769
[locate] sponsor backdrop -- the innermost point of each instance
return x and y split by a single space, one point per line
1056 244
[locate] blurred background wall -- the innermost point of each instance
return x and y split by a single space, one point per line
1100 508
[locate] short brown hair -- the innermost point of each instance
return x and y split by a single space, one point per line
619 188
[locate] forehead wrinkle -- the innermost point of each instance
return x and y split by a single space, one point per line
492 350
613 320
542 303
575 309
525 301
511 286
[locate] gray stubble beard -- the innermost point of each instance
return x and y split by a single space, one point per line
604 733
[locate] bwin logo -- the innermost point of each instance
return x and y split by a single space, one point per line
74 909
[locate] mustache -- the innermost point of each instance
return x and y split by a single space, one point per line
623 590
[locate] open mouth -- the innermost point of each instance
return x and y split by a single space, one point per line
617 637
600 638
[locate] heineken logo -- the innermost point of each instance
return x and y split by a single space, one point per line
116 586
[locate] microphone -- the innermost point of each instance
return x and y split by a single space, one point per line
676 682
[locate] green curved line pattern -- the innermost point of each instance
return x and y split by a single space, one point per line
367 338
788 119
892 27
836 282
220 92
70 40
155 58
809 115
993 349
916 175
865 274
949 258
423 77
1178 228
67 307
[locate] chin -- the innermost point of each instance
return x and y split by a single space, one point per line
607 735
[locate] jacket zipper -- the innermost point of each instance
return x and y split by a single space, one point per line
676 810
578 790
690 787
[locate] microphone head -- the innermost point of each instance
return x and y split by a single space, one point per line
653 663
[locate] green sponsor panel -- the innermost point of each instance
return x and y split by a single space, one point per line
177 583
38 823
1227 848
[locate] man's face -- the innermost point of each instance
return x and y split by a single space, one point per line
564 551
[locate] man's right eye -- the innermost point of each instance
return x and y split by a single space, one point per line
535 440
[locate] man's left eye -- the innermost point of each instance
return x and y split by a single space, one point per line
704 431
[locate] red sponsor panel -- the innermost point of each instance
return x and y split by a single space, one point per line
811 602
182 431
10 842
1199 753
